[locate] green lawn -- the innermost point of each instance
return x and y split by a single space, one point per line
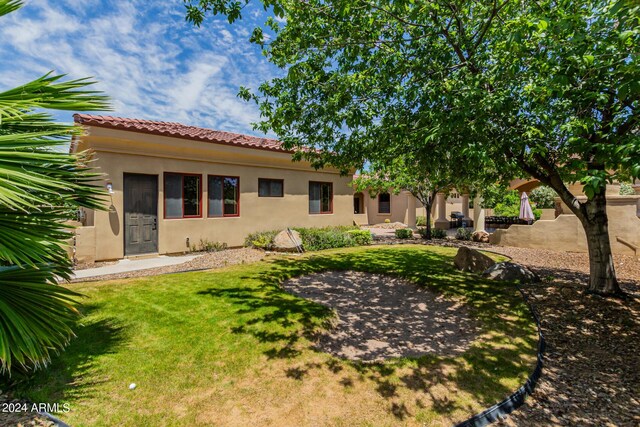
228 347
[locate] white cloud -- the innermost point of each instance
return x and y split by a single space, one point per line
144 55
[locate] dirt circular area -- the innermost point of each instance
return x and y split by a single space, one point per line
381 317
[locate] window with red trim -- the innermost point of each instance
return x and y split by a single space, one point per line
224 196
182 195
320 197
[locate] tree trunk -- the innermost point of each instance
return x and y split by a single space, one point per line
427 209
602 274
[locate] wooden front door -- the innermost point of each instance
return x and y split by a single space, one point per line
140 214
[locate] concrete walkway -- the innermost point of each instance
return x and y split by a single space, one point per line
127 265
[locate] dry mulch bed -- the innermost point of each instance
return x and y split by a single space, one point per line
97 264
14 416
382 316
206 261
591 374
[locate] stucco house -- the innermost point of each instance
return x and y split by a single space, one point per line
171 185
403 207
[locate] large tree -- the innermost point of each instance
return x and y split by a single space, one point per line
551 88
41 189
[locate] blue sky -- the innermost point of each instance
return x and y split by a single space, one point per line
145 56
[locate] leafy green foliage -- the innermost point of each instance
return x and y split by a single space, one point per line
543 197
315 239
539 88
463 233
494 194
509 205
207 245
261 239
41 189
360 237
436 233
626 189
421 221
404 233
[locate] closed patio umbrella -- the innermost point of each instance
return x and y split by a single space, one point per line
526 212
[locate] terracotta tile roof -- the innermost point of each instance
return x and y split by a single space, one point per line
178 130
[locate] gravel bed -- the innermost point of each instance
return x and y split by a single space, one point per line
379 316
87 265
386 225
204 262
18 413
591 375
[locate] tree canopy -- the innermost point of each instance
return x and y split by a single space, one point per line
544 88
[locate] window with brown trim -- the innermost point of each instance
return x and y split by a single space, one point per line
320 197
182 195
384 203
224 196
268 187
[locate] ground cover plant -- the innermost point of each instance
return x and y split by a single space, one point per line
404 233
315 239
229 346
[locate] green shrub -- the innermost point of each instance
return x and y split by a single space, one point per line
261 239
209 246
463 233
626 189
437 233
404 233
543 197
360 237
421 221
510 206
315 239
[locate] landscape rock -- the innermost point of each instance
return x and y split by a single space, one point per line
511 272
472 260
480 236
285 242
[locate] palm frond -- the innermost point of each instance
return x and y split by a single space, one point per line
48 92
35 316
41 189
8 6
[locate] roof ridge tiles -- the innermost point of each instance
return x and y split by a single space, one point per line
179 130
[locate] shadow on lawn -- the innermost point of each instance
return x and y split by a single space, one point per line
63 377
478 371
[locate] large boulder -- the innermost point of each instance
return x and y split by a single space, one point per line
472 260
287 241
511 272
480 236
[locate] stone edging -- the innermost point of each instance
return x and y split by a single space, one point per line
516 399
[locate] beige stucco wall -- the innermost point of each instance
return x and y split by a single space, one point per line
399 203
118 152
565 233
451 205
